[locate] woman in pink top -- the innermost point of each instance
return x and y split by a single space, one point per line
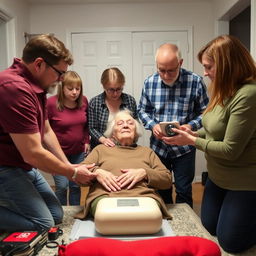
67 114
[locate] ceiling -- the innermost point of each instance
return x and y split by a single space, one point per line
105 1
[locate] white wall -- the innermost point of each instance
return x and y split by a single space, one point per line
226 10
18 11
59 19
222 7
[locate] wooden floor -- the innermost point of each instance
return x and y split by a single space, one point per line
197 189
197 192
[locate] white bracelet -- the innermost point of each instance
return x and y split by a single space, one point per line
74 174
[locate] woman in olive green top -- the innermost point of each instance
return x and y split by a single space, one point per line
228 139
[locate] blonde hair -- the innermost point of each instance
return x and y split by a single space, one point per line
234 67
110 127
70 77
112 75
47 47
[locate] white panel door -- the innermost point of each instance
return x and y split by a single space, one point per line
144 49
94 52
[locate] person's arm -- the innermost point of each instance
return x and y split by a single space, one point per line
133 106
94 126
240 129
107 141
32 151
52 144
87 148
104 177
200 104
201 133
146 113
146 109
86 127
22 107
182 138
185 136
157 131
93 121
158 175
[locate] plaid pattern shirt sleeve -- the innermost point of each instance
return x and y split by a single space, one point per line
128 102
98 117
99 114
184 102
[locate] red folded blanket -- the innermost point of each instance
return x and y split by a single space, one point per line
162 246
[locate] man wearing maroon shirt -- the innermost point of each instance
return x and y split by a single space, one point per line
27 141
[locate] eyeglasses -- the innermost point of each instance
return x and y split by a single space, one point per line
168 72
60 73
111 90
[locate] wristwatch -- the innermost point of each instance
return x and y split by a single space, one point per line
74 174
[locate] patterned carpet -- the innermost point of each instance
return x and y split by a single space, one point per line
185 222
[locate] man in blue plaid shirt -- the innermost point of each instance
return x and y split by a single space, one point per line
173 94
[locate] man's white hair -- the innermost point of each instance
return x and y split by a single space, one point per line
110 127
172 47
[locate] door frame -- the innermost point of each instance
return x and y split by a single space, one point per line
222 23
253 27
11 49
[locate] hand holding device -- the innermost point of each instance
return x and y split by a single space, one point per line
166 128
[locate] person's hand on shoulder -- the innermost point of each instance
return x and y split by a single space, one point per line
107 141
87 148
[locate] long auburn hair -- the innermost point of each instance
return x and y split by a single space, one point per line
70 77
234 67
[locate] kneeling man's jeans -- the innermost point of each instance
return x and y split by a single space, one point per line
27 202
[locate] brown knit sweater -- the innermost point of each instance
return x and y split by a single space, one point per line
120 157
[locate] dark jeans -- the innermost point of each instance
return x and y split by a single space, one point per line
62 184
231 216
184 171
27 202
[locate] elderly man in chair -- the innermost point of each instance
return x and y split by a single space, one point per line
126 170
